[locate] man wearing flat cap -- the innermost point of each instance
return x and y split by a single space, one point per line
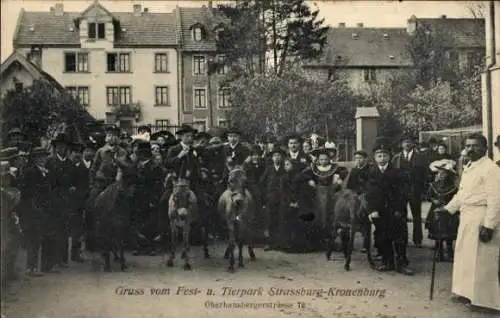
415 167
61 174
386 208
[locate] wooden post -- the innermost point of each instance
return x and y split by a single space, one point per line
366 127
39 259
70 244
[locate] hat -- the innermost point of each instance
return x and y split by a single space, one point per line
61 138
202 134
255 150
9 153
381 146
270 139
293 136
113 130
186 129
361 153
444 164
15 131
321 151
39 151
278 150
233 130
215 141
497 143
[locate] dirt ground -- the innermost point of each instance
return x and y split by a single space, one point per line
79 292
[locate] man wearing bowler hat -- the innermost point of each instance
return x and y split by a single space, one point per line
386 208
182 158
415 167
61 174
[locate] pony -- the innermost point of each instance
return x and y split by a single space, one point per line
182 210
350 217
112 217
237 207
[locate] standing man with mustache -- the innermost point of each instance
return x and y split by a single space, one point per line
477 247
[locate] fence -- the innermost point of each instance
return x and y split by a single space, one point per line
453 138
154 128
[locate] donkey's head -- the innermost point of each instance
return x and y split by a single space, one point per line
237 206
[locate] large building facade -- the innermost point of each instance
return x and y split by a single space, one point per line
122 66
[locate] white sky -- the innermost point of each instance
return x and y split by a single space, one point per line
371 13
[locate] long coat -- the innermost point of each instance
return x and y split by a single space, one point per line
475 263
416 171
239 153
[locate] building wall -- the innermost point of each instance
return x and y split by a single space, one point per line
142 79
495 77
355 76
15 71
189 113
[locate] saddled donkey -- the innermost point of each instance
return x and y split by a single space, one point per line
236 205
182 211
112 211
350 216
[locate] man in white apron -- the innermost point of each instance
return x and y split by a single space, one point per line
475 267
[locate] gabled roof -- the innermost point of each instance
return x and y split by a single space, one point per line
457 33
35 71
148 29
97 5
205 17
364 47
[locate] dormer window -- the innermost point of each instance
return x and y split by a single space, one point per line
197 33
97 31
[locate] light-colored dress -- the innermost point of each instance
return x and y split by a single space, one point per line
475 267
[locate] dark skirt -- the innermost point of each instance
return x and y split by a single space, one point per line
449 225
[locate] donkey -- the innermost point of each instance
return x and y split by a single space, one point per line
237 207
112 218
182 210
350 217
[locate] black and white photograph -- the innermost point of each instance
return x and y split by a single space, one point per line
250 158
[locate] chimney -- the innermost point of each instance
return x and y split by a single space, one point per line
443 16
342 25
210 4
359 25
59 10
137 9
411 28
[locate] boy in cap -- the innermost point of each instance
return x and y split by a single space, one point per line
386 208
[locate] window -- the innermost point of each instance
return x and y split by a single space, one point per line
223 68
161 94
198 65
76 62
118 62
453 58
197 34
81 93
161 62
200 125
118 95
223 123
162 124
369 75
97 31
223 97
200 98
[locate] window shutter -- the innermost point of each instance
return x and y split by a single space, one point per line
92 31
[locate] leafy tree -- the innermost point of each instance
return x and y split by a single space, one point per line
292 103
286 30
34 108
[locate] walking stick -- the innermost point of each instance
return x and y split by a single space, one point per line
39 259
439 243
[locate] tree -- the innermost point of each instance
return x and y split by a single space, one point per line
292 103
33 108
286 30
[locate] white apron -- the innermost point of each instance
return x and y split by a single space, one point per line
475 266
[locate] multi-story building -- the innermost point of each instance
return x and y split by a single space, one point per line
204 98
123 66
367 56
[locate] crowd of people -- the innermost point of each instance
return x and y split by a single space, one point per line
293 185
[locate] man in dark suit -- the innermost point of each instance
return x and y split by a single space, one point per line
270 183
61 174
415 167
34 208
295 152
235 149
385 204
